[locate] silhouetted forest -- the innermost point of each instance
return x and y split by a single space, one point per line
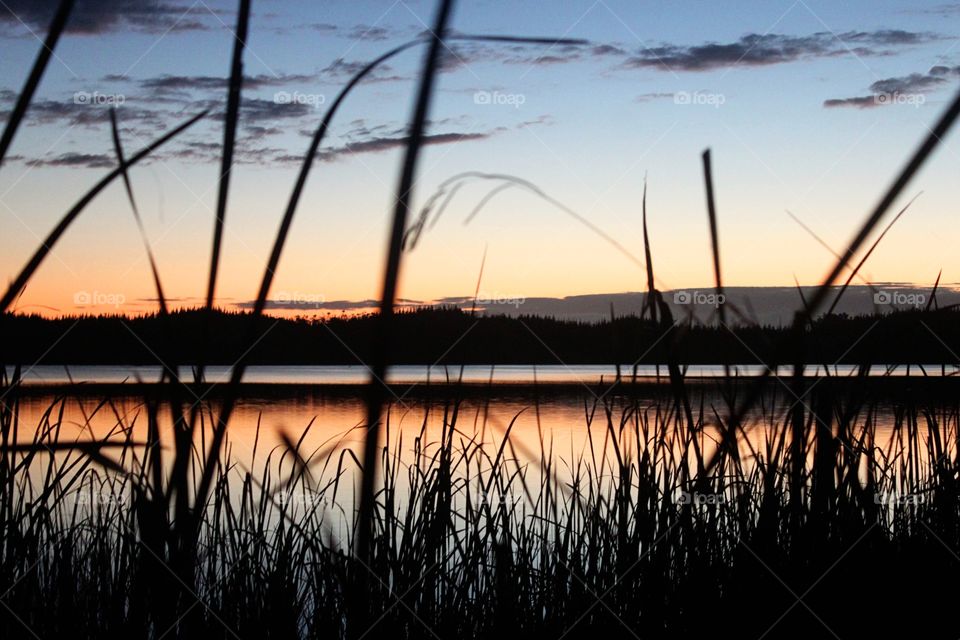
452 336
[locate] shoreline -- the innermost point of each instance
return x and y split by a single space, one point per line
643 386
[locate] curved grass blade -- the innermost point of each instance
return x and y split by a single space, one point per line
648 303
118 149
21 280
863 260
452 183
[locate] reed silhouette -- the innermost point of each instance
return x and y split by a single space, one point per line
678 519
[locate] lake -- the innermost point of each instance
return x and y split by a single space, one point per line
556 407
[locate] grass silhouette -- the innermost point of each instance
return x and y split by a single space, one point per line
677 519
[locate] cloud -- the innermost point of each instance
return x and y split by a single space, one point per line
647 97
464 53
913 83
859 102
100 16
322 27
340 70
887 91
378 145
83 160
755 50
561 54
89 115
361 32
944 10
369 33
889 37
383 143
166 82
544 119
258 132
601 50
258 110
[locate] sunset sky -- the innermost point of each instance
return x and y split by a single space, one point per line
808 106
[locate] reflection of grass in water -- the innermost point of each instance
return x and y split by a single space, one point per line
666 537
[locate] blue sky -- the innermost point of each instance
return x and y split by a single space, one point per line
807 106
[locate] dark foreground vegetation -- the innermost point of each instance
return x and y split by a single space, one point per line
452 336
839 518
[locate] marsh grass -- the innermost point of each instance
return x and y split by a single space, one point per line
476 533
680 518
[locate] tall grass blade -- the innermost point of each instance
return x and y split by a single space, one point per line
118 149
649 302
933 293
929 144
384 331
33 80
714 240
230 120
866 256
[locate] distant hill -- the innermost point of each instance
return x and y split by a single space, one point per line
762 305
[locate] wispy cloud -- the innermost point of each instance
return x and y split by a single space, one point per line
887 91
166 83
755 50
387 143
82 160
99 16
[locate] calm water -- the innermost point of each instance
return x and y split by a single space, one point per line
414 374
336 416
560 423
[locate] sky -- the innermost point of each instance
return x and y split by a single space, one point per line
809 108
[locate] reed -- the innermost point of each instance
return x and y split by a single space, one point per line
475 535
673 520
